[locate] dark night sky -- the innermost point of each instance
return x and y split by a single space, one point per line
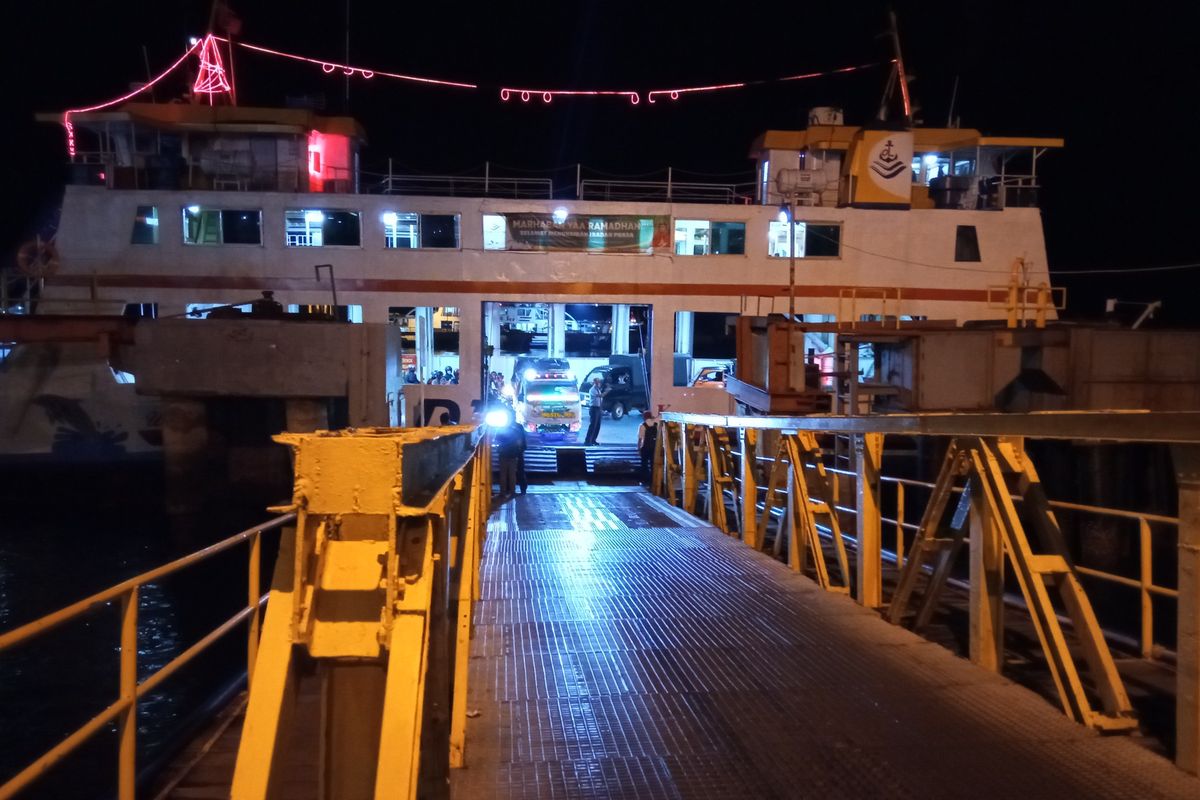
1119 87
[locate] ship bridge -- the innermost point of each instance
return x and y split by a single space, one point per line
783 613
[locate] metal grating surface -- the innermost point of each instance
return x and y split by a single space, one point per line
623 649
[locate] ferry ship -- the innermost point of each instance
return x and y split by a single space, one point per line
173 209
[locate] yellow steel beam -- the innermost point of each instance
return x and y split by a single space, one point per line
925 541
748 496
399 756
1087 629
462 650
986 637
868 451
271 696
127 721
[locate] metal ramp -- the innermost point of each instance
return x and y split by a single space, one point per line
625 649
602 458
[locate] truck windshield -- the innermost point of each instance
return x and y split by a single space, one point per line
553 390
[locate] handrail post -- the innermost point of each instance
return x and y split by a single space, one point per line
1187 681
127 722
868 452
1146 573
899 525
749 488
254 590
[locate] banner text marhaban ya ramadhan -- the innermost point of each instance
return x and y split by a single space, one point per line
583 233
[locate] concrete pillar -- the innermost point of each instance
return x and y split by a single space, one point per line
470 344
185 454
491 329
423 321
556 337
620 328
684 329
1187 668
306 415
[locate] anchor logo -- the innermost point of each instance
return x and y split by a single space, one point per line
887 164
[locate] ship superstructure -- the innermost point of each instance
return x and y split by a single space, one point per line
189 206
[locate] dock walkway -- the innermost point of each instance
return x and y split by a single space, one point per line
625 649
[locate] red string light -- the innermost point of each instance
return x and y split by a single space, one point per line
211 78
507 92
70 128
328 67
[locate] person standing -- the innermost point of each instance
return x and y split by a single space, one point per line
595 411
510 443
647 439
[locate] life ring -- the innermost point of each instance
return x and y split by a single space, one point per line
38 258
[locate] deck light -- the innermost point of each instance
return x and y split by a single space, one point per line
784 213
531 374
560 215
498 418
389 218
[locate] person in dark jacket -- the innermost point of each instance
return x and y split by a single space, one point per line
647 439
510 445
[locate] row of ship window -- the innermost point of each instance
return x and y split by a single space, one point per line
325 227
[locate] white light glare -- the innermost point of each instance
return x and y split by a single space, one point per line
389 218
530 374
193 41
497 418
193 209
783 215
314 216
560 215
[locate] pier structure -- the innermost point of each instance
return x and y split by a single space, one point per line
741 629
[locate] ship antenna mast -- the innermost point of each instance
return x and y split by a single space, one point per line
898 74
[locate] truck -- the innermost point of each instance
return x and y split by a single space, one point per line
547 407
625 378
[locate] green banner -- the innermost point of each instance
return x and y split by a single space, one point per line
589 233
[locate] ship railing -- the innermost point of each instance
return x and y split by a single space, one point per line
123 710
666 191
465 186
1008 191
739 472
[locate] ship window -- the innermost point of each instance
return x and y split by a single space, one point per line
698 237
705 346
145 226
406 230
338 313
439 230
321 227
813 240
494 231
966 244
241 227
400 230
221 226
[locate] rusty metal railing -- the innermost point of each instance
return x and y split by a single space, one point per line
985 453
1147 588
124 709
